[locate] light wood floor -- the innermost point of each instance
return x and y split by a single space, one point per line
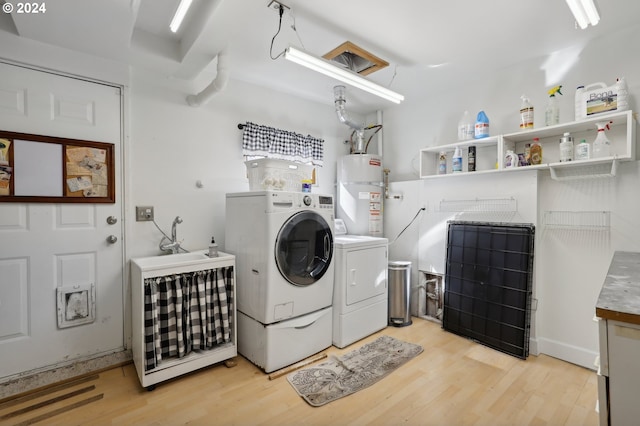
453 382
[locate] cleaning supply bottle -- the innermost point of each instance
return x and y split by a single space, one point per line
482 126
456 161
583 150
465 127
442 163
526 114
566 148
213 248
510 159
471 159
536 152
579 106
602 145
552 113
623 94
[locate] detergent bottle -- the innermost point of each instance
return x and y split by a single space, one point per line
482 126
602 145
552 113
510 159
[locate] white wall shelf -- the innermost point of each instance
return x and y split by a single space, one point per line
485 156
489 141
490 151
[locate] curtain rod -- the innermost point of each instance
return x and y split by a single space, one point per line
240 126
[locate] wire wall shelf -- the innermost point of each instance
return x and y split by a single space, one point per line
591 171
478 205
579 220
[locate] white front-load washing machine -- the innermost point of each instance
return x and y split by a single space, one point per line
360 297
283 243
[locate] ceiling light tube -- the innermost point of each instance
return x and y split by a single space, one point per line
325 67
584 11
183 7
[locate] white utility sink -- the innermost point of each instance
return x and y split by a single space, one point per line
197 258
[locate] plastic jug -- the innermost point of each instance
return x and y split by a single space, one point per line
511 160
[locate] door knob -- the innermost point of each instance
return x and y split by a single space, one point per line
112 220
112 239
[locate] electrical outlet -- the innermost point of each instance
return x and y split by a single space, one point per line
144 213
275 5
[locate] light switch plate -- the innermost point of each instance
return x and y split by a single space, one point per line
144 213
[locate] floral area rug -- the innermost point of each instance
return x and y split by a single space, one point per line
351 372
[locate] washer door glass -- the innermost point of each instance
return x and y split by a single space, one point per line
304 248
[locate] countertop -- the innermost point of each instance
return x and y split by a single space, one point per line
620 295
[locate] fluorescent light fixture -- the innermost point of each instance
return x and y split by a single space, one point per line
585 12
346 76
183 7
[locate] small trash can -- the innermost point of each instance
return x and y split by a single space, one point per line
399 293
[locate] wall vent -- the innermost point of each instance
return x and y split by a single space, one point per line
355 58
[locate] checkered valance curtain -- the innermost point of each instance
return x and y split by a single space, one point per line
262 141
186 312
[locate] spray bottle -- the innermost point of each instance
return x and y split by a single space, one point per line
552 113
602 145
526 114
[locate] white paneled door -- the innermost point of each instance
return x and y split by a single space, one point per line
45 246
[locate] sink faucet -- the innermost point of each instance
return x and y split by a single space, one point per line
174 245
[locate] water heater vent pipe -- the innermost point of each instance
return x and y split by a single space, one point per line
339 93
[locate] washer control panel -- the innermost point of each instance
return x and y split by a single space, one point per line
291 200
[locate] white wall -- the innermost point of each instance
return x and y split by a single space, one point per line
570 267
173 145
170 145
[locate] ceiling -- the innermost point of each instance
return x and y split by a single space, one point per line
430 44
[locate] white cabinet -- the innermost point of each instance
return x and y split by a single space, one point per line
619 380
144 270
618 311
490 152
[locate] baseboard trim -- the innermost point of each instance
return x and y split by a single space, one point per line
573 354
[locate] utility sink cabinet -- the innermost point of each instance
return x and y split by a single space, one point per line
168 266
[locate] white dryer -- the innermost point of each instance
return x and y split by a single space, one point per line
360 297
283 243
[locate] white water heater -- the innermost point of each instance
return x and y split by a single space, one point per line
360 193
